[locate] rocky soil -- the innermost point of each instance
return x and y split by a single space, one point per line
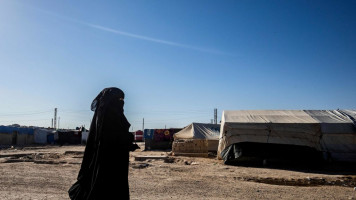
47 172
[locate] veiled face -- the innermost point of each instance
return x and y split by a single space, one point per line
122 100
108 96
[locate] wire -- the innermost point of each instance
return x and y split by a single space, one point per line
181 112
25 120
23 114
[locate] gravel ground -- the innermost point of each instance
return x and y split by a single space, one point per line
47 172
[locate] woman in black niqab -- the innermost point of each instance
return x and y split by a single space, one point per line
104 169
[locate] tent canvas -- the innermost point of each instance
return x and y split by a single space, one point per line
6 138
40 135
338 140
16 135
85 135
321 130
201 131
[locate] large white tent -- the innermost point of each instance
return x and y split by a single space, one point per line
332 132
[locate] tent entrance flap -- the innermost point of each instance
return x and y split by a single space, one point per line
257 152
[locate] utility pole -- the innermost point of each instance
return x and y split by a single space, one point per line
215 116
52 123
143 124
55 119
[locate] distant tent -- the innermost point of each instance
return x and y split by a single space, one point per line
16 135
25 136
85 135
6 135
40 136
69 137
197 138
287 133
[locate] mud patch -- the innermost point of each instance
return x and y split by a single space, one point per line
139 165
347 181
37 158
74 153
49 162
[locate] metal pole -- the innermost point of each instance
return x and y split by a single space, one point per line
143 124
215 116
55 119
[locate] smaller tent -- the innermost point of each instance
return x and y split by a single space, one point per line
41 135
197 138
25 136
85 135
6 135
69 137
16 135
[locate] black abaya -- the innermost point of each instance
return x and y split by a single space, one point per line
104 169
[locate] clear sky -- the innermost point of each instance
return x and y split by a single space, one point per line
175 60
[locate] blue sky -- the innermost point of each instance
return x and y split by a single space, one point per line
175 60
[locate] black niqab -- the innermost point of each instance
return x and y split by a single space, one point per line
104 169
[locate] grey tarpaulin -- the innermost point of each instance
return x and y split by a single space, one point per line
199 131
338 140
329 131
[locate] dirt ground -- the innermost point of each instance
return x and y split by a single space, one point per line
47 172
